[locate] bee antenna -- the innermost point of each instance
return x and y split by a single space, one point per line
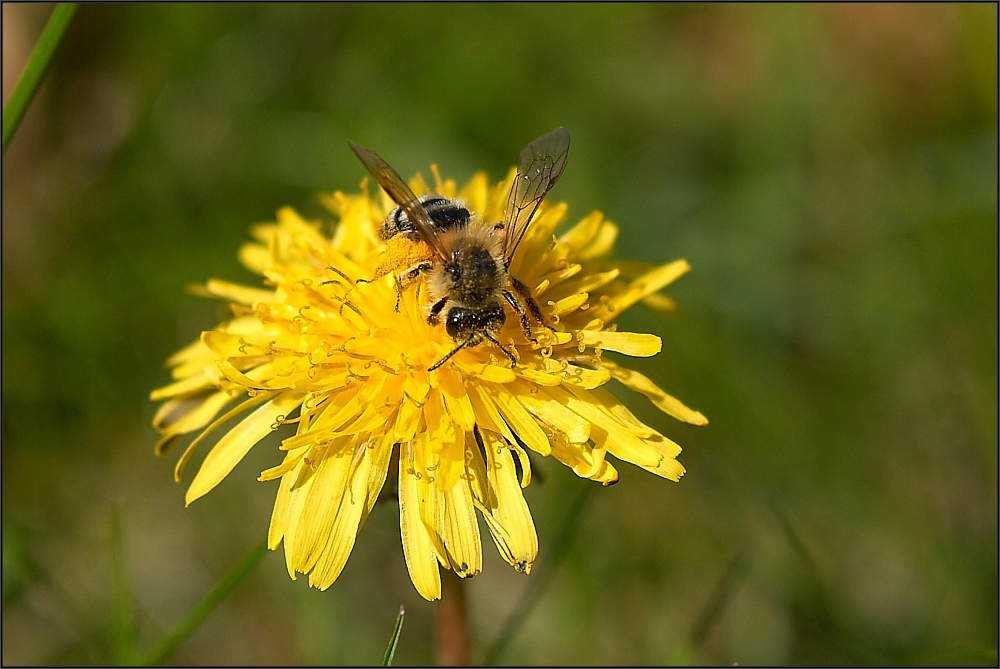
513 360
447 357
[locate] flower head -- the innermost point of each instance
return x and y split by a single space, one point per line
323 349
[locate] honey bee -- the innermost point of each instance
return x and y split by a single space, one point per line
467 259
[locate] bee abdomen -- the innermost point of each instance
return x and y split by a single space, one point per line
447 215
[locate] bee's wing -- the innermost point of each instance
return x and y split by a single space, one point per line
401 194
539 167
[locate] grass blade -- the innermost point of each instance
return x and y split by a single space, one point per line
34 71
126 637
167 644
390 650
531 598
716 605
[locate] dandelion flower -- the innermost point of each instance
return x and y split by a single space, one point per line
321 349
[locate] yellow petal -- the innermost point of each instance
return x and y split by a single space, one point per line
602 242
583 232
216 424
320 506
456 399
575 428
585 378
340 539
299 481
537 376
289 463
666 403
534 248
493 373
629 343
520 543
610 406
668 468
482 490
584 461
475 192
586 283
223 343
522 458
238 441
187 414
378 472
446 439
190 352
279 514
558 278
487 415
192 384
255 257
238 293
420 556
521 422
410 409
661 303
461 531
608 432
568 304
646 284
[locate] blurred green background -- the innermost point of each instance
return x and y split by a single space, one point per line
830 171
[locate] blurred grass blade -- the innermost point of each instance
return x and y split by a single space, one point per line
167 644
390 651
531 598
737 571
126 639
797 544
34 71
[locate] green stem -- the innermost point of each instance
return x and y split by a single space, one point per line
167 644
34 71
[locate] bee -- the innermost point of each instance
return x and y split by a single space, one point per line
466 259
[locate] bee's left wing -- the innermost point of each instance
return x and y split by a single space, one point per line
539 167
401 194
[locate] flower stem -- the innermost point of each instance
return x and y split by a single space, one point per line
451 623
31 78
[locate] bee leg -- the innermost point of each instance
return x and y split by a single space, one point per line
432 317
406 278
522 314
399 293
513 360
447 357
525 294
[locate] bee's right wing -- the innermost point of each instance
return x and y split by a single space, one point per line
539 167
401 194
